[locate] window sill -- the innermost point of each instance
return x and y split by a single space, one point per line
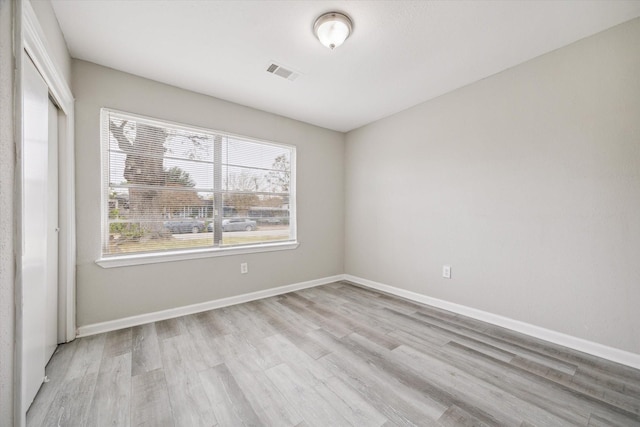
153 258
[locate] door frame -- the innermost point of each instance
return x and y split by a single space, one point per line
30 39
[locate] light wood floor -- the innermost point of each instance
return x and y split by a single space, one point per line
330 356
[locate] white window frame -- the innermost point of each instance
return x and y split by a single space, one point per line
110 261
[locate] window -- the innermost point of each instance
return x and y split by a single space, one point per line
171 188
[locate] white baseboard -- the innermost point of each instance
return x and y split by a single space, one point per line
590 347
113 325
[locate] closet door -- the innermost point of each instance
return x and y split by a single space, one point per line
34 228
51 295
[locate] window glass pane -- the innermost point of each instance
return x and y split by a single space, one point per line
166 190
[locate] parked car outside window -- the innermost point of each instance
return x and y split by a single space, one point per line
238 224
186 225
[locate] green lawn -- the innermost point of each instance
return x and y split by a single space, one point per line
172 243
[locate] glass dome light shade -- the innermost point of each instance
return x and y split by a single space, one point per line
332 29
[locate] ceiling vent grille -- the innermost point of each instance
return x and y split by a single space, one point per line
284 72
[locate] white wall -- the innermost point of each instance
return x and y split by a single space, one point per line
7 169
108 294
527 183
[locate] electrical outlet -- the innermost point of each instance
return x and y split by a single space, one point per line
446 271
244 268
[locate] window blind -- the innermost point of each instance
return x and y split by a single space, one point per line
173 187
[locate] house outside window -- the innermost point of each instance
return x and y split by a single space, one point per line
173 188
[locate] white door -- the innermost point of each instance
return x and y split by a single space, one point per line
51 296
34 228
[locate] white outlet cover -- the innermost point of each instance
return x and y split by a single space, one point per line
446 271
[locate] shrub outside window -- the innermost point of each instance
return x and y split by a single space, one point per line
169 187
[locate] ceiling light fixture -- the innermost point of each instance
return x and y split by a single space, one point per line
332 29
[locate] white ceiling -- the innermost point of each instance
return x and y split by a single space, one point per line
401 53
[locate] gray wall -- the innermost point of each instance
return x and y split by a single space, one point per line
107 294
55 43
527 183
7 266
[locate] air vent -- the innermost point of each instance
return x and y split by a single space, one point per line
284 72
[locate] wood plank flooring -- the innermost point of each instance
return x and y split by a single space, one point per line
334 355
